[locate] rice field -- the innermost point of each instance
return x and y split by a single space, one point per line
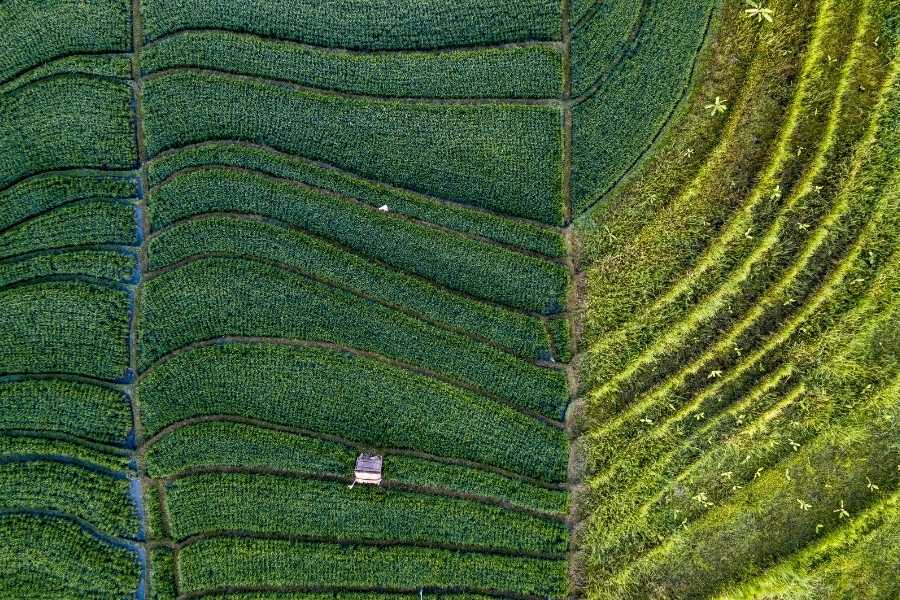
610 286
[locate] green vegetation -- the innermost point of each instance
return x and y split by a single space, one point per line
235 562
90 340
471 266
370 24
513 72
35 32
191 304
260 504
518 233
649 83
100 222
75 491
40 116
114 265
504 157
330 264
411 412
44 557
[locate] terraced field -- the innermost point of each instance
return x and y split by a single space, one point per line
613 337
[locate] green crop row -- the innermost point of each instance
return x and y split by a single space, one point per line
598 43
35 32
217 297
366 24
101 65
69 121
346 596
48 405
617 124
363 400
162 574
13 446
44 557
102 264
517 72
43 193
518 333
98 222
64 327
505 157
482 269
513 232
98 499
234 562
465 480
219 443
261 504
154 512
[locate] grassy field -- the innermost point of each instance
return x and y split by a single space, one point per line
611 285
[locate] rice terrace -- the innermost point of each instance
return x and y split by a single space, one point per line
449 299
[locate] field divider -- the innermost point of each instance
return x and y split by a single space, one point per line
350 174
62 459
124 81
396 215
57 436
298 87
358 446
437 50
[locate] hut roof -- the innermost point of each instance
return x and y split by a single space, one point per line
369 463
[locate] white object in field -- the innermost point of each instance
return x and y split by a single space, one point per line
368 469
384 208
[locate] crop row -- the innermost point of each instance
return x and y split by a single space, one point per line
269 504
17 446
77 491
44 193
218 443
44 557
68 121
162 574
600 42
113 265
349 596
234 562
503 157
97 222
742 265
49 405
65 327
850 561
362 400
472 266
517 72
512 232
607 140
826 486
369 24
36 32
217 297
518 333
115 66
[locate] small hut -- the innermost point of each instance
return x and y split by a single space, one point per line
368 469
